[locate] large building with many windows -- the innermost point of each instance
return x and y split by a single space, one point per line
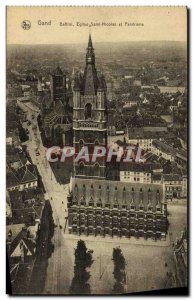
97 206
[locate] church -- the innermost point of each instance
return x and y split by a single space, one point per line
97 206
56 112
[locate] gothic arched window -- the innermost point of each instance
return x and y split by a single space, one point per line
88 111
96 170
96 143
81 144
81 168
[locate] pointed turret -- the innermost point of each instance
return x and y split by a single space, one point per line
90 74
90 41
90 56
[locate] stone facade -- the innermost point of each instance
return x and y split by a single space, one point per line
89 115
114 208
97 206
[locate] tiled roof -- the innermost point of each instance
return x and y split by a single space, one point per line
20 238
172 177
139 167
116 192
143 133
157 177
25 174
11 178
164 147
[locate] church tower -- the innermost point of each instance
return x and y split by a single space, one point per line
58 86
89 116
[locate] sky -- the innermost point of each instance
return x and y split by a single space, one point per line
154 24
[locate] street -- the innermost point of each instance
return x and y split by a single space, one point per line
57 194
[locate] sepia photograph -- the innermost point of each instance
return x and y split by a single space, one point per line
97 150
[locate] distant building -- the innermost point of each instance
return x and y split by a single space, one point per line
184 185
164 150
22 178
56 112
136 172
172 185
181 159
130 103
20 248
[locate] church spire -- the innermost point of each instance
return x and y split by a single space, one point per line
90 56
90 41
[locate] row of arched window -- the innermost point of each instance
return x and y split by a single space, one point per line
96 169
98 203
133 195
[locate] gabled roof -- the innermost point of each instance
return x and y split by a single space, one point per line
27 173
11 178
18 236
24 174
116 191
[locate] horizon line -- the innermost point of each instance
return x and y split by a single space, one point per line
105 42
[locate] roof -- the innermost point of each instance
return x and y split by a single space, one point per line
139 167
11 178
27 173
182 154
116 192
172 177
14 230
164 147
28 244
146 133
23 175
156 177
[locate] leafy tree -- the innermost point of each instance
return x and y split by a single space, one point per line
83 260
119 270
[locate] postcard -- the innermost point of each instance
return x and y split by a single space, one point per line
96 145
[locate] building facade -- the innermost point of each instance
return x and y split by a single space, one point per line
113 208
97 206
173 186
56 112
89 116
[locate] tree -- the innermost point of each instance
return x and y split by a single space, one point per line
119 271
83 260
